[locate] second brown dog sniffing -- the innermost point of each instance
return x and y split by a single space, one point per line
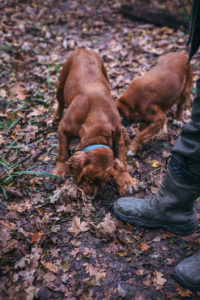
149 97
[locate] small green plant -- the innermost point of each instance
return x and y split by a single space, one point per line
11 171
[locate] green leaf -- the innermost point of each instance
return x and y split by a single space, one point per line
4 192
21 146
36 173
13 124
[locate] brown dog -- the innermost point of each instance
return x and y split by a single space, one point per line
149 97
87 110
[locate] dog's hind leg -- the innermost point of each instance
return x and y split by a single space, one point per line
156 121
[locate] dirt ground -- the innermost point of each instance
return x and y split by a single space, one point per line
56 244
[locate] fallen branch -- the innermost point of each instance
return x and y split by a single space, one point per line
160 17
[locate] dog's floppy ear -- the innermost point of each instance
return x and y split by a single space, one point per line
76 163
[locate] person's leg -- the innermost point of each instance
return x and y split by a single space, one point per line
187 147
175 199
173 207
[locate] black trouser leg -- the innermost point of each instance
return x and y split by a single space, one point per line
188 143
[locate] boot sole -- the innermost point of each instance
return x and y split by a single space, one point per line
177 229
183 283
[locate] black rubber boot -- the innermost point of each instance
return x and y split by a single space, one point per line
187 272
172 208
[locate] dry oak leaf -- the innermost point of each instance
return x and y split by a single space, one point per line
77 226
1 140
108 225
3 93
157 239
95 276
88 251
35 236
148 282
183 292
154 163
144 247
50 266
76 243
158 280
19 91
170 261
122 253
75 252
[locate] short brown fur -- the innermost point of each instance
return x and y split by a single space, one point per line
149 97
87 110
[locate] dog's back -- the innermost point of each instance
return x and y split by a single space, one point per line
84 79
86 75
161 86
167 79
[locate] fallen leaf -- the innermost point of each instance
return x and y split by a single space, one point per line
64 266
95 276
155 163
50 266
183 292
144 247
3 93
19 91
122 253
121 291
154 190
21 263
148 282
158 280
31 292
88 251
35 236
166 154
75 252
1 140
35 256
76 243
108 226
170 261
77 226
35 112
157 239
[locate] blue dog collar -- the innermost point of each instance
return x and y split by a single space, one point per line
124 122
92 147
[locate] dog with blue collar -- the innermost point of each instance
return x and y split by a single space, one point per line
87 111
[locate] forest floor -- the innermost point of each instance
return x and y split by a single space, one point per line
56 244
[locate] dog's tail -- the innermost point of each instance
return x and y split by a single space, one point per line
60 90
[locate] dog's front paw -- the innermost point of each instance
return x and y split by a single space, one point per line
60 170
130 186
